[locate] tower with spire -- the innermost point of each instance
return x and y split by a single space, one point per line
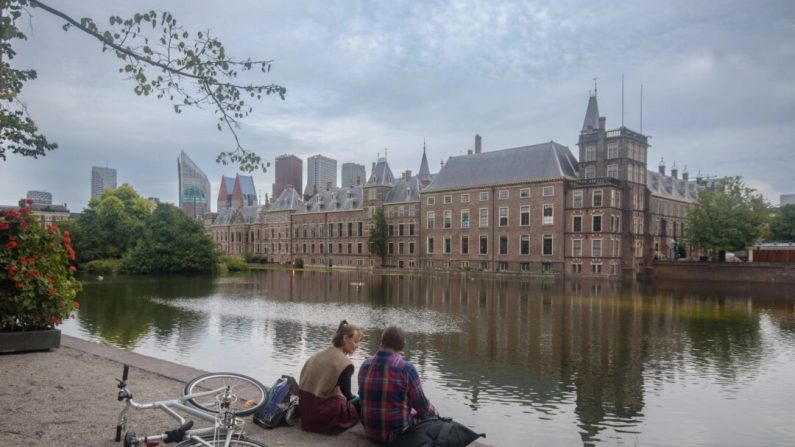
425 172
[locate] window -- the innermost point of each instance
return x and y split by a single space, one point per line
502 266
431 219
524 216
596 248
411 229
484 245
503 194
547 245
448 218
431 200
350 247
612 149
576 199
391 248
577 224
596 268
503 245
524 266
484 195
576 268
524 193
590 153
547 219
590 172
447 245
448 199
612 171
548 191
484 217
391 231
411 248
576 248
464 218
339 231
597 224
359 248
524 244
400 230
484 266
430 245
464 245
360 226
464 198
597 197
504 217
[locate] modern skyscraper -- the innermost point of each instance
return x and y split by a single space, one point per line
194 187
102 179
40 197
289 172
353 174
320 172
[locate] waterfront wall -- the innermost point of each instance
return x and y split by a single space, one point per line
708 271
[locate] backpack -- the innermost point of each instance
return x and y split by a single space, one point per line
281 404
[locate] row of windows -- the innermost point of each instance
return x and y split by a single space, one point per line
402 211
310 248
483 245
483 196
597 198
635 151
596 224
347 229
613 248
403 230
483 217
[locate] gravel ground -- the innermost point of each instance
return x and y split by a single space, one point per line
67 396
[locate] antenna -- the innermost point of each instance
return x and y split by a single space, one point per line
594 86
622 100
641 108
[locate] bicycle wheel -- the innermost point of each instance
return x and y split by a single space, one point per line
220 442
249 393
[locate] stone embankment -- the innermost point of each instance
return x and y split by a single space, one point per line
68 397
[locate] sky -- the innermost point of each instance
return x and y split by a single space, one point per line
372 78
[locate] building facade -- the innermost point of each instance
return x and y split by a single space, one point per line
236 192
102 179
533 209
289 173
40 197
321 174
194 187
353 174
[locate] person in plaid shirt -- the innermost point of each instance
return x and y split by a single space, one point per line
391 394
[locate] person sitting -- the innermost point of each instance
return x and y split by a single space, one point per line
392 400
325 399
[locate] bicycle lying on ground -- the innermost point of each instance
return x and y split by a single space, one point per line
220 398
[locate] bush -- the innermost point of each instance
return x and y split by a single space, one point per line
37 283
299 263
234 264
102 266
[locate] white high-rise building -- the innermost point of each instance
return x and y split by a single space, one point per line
353 174
320 173
102 179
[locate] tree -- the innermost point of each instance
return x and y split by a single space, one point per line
782 227
172 242
158 56
729 218
378 234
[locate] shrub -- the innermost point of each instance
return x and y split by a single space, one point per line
234 264
102 266
299 263
37 283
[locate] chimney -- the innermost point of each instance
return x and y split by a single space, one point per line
685 174
674 171
602 123
470 152
478 142
407 174
661 167
328 186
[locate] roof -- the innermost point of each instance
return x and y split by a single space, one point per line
228 183
526 163
381 175
672 188
289 199
247 185
591 115
405 190
337 199
425 172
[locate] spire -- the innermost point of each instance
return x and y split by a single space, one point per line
424 170
591 121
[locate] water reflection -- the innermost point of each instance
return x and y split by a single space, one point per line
558 363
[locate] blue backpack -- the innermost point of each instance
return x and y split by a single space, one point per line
281 403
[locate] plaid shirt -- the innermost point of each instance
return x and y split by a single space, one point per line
391 395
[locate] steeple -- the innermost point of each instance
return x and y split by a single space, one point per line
591 121
425 172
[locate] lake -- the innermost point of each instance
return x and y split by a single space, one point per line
529 362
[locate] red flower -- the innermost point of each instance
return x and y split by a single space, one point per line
76 305
67 240
12 268
10 245
72 268
24 225
66 233
53 291
20 284
4 226
23 261
29 201
25 211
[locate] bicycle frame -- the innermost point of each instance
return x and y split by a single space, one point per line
225 423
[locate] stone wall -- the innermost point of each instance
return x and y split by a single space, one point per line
710 271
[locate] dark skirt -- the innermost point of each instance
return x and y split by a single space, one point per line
327 414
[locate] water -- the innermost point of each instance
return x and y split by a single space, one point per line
527 362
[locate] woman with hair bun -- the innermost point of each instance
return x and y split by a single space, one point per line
325 399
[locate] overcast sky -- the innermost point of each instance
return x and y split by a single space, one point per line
368 77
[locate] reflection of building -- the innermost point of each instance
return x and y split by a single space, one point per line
236 192
194 187
102 179
353 174
529 209
40 197
321 174
289 173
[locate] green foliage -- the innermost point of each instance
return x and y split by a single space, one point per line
159 56
102 266
233 264
377 242
171 242
299 263
782 228
249 257
112 224
37 283
728 218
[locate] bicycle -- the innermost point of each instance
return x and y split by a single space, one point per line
221 398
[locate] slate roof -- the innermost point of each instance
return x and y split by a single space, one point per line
225 217
669 187
591 115
337 199
247 185
381 174
424 170
526 163
405 190
249 214
229 183
289 199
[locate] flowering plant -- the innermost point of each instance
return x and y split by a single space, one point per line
37 282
